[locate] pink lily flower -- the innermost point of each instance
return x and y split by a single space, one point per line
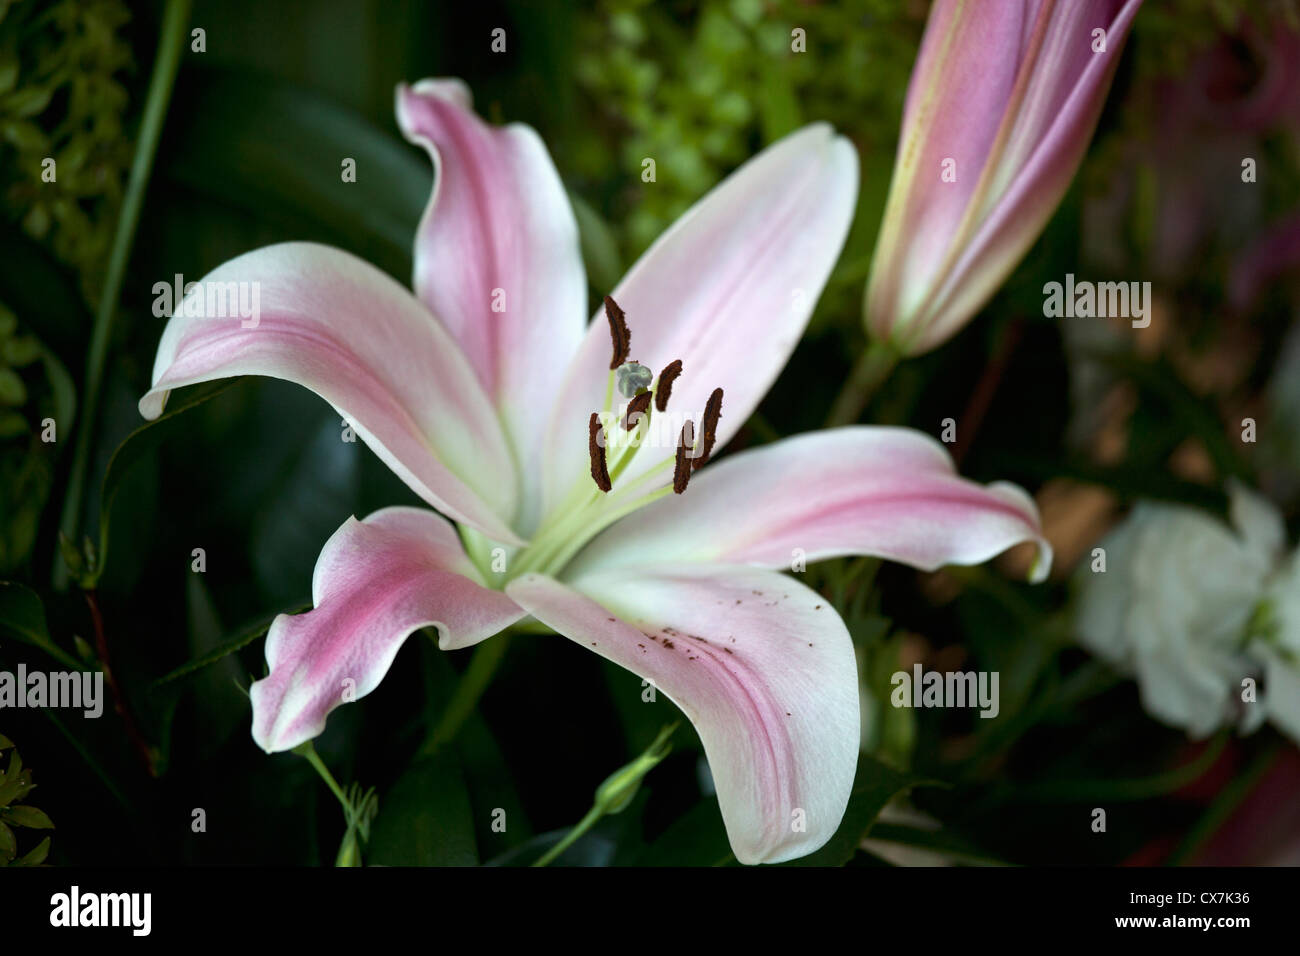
487 416
1001 105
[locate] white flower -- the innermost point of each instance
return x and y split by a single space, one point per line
1192 608
1280 650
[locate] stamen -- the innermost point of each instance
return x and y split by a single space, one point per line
666 379
596 448
636 409
618 332
712 412
682 466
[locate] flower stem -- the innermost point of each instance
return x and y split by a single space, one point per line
557 560
482 668
140 745
176 16
313 758
356 814
1225 804
1135 789
616 792
586 823
871 369
981 398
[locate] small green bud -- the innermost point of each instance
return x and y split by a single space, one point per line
618 789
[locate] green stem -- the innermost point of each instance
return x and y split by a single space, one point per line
355 815
482 668
1231 797
175 20
566 535
586 823
1135 789
871 369
558 558
616 792
308 751
1088 680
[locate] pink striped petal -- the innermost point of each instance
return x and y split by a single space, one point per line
889 492
762 666
338 326
1011 92
498 233
728 290
376 581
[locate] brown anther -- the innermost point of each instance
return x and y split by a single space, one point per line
682 468
666 379
712 412
635 409
618 332
596 448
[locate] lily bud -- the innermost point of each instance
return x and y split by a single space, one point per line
618 789
1002 102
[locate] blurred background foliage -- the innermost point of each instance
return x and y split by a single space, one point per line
1087 415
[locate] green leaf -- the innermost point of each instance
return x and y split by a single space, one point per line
28 817
275 151
599 245
697 838
64 392
135 446
8 844
22 618
874 786
217 688
594 848
425 818
43 295
309 500
487 773
242 638
778 107
12 781
37 856
938 841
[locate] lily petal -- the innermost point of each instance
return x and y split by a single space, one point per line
376 581
863 489
761 665
728 290
497 256
337 325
